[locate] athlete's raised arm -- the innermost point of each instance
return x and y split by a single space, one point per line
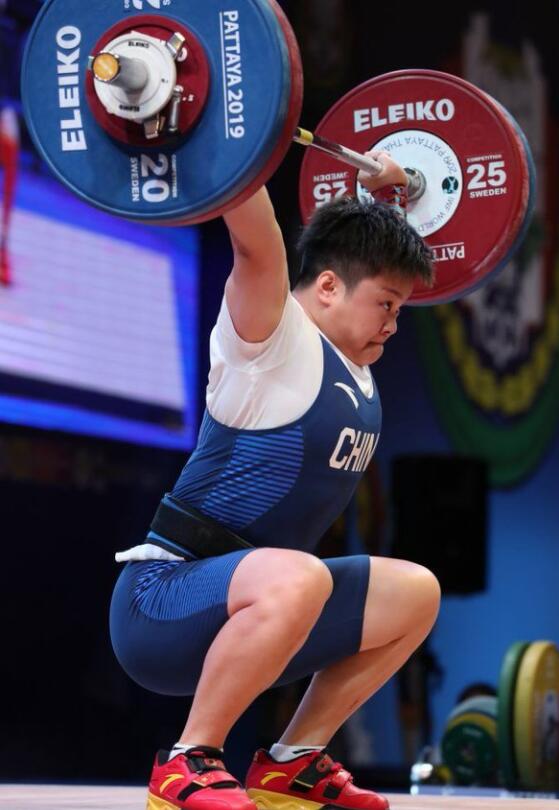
258 285
259 282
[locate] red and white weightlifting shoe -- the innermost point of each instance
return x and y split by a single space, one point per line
196 780
309 782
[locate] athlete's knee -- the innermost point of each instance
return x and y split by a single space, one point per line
311 579
300 586
403 598
283 585
426 590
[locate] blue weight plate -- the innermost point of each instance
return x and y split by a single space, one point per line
211 166
285 140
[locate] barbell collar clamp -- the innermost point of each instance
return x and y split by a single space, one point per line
174 109
153 127
175 44
417 184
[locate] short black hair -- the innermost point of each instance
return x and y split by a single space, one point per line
359 239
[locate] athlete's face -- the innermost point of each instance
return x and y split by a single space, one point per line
361 320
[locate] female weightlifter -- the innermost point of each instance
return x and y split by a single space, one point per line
225 598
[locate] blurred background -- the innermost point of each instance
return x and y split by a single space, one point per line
463 482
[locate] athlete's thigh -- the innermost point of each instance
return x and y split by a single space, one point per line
164 617
338 632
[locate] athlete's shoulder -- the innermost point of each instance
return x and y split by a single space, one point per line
292 313
294 330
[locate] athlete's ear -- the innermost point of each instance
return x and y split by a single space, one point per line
329 287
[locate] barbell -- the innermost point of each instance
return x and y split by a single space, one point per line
178 116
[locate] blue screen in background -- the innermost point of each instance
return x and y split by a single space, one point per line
98 328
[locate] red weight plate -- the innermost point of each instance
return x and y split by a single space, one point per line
193 74
473 159
285 140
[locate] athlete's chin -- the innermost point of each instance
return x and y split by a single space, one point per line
374 352
366 355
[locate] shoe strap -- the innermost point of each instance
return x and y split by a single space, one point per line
321 767
201 760
211 779
215 779
309 777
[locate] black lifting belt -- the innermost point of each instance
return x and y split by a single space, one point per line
185 531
